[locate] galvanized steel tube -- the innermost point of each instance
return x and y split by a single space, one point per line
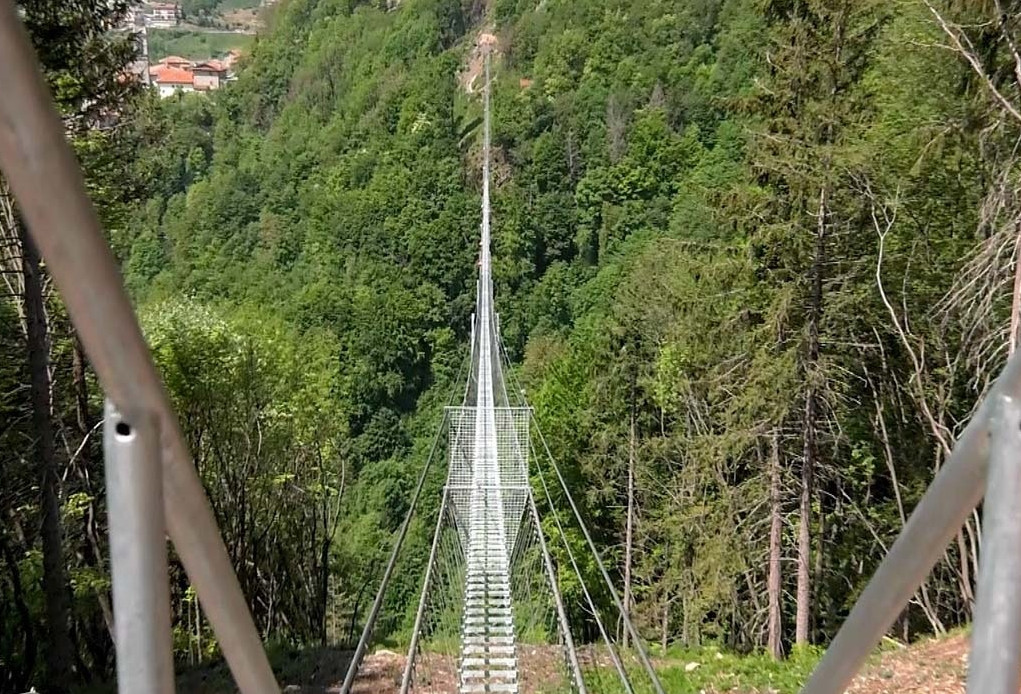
44 176
138 553
956 490
993 667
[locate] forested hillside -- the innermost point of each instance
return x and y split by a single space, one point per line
755 263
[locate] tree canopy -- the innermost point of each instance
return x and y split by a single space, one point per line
759 254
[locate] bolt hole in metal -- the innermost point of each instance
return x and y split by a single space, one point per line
123 430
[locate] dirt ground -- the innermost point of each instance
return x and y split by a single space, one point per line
929 667
245 19
470 77
539 668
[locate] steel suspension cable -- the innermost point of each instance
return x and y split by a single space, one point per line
363 642
417 628
639 645
614 656
526 577
370 623
444 599
572 652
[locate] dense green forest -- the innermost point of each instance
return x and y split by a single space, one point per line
758 257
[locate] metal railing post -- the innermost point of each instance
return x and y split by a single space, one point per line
138 553
955 491
43 174
996 629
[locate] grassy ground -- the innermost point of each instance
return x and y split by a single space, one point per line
194 45
712 670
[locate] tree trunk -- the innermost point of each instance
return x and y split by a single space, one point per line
19 679
664 624
94 557
817 600
684 623
1015 297
81 386
324 589
804 594
198 630
967 592
775 627
629 529
55 587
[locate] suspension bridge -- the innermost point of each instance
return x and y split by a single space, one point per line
490 580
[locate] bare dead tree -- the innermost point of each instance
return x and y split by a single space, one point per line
55 586
617 118
934 408
990 280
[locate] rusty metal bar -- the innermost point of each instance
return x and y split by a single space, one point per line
956 490
45 179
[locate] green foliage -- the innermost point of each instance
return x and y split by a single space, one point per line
258 407
196 45
82 60
685 246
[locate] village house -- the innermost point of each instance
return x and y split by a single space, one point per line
133 19
175 74
171 80
210 74
162 14
174 61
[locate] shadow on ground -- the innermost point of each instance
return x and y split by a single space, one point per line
317 670
314 670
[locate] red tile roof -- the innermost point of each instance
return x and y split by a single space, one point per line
174 75
213 65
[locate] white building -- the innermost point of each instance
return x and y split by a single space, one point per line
163 14
171 80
